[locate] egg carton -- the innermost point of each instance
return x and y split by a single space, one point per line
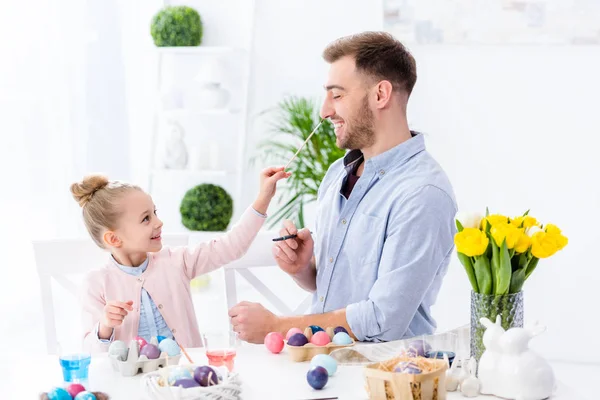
136 364
309 350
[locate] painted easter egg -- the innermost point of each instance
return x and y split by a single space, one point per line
418 348
141 341
274 342
150 351
85 396
160 338
58 394
408 367
339 329
178 373
118 349
75 388
342 338
170 347
186 383
292 332
315 329
320 338
325 361
297 339
317 377
206 376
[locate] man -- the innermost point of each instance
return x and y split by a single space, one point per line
385 212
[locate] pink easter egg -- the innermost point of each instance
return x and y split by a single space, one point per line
320 338
74 389
274 342
292 332
141 341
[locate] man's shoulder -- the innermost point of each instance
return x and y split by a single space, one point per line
424 176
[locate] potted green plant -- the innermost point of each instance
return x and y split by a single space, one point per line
176 26
206 207
295 119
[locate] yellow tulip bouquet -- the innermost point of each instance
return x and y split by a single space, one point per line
499 253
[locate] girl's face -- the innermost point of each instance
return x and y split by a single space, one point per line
139 228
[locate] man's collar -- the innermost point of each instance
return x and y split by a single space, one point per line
393 157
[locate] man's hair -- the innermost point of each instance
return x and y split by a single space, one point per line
378 55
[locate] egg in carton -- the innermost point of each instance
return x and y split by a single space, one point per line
303 346
130 361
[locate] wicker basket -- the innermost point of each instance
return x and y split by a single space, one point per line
382 383
154 388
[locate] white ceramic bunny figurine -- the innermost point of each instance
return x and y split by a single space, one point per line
510 369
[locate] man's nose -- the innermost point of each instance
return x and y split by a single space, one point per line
327 110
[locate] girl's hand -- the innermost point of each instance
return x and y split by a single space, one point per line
268 186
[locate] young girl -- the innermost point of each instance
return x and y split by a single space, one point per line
144 289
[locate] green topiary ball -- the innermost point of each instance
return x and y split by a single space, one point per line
176 26
206 207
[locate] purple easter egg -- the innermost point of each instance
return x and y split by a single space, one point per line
408 368
150 351
339 329
297 339
317 377
186 383
418 348
206 376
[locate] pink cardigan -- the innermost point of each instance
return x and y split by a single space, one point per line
167 280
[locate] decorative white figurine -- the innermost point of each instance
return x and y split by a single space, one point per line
452 375
175 153
471 385
509 369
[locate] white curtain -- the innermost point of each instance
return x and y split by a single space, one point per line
71 93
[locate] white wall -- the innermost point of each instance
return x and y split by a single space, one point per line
515 127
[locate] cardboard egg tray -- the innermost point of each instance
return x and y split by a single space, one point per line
133 365
309 350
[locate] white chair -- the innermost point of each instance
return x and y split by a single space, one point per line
56 259
259 255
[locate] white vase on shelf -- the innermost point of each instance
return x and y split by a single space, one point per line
211 96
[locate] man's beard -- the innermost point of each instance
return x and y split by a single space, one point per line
359 131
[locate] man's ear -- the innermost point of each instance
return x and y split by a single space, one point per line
111 239
384 92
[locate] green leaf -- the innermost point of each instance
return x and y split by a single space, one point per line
495 264
531 267
459 226
483 272
504 271
526 213
516 281
487 211
466 262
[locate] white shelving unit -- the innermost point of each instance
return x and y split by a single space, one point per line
205 129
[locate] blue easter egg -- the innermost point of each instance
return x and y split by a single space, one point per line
160 338
59 394
315 329
170 347
325 361
85 396
317 377
179 373
342 338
